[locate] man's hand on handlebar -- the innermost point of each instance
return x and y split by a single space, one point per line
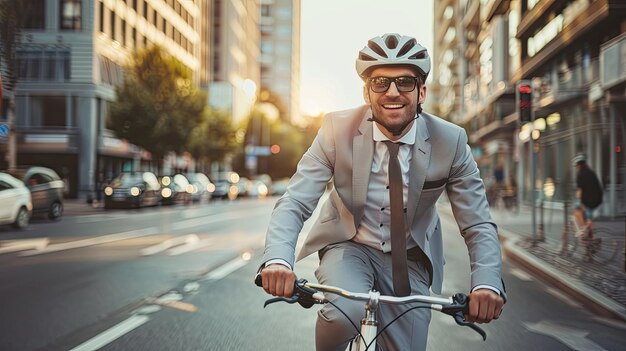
484 306
278 280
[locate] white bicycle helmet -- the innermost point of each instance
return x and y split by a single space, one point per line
390 50
579 158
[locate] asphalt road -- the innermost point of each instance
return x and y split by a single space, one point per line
180 278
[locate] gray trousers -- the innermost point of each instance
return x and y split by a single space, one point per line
359 268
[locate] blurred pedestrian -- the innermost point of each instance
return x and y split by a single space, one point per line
588 191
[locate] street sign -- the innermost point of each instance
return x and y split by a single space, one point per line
258 150
4 130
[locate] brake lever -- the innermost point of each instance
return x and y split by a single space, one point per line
457 311
292 299
460 320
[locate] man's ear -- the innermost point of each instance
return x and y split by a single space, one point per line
366 95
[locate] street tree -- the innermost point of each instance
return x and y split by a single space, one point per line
158 106
213 138
12 14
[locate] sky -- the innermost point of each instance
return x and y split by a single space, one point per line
333 32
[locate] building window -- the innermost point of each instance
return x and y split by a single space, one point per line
71 14
112 18
48 111
35 15
101 16
48 65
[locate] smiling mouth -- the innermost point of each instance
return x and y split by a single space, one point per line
393 106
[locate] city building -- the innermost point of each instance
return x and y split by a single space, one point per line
280 54
571 54
71 57
235 50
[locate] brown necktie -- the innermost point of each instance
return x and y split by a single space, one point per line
401 284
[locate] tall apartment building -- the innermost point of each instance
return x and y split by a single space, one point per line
572 52
235 50
280 54
71 59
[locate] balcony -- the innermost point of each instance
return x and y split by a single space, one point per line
613 62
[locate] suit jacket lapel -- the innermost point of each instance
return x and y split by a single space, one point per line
419 165
362 157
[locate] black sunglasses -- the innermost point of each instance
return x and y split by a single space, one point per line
404 84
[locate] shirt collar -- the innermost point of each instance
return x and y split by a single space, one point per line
408 138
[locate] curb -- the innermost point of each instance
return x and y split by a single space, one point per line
571 286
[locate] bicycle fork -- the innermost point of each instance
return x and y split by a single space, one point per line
369 325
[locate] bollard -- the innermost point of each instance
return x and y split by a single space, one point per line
540 232
566 229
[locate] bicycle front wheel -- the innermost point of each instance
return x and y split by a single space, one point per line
604 246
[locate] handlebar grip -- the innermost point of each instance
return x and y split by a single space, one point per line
258 280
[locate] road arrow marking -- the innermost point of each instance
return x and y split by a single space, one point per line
23 244
573 338
190 246
169 243
104 239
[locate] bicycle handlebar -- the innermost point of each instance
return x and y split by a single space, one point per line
307 294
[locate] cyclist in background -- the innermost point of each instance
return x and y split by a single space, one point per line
353 234
588 191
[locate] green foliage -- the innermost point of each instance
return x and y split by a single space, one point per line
158 106
213 138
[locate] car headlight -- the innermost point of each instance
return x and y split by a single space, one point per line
108 191
166 192
210 188
134 191
191 189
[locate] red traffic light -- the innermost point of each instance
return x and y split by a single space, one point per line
274 149
525 89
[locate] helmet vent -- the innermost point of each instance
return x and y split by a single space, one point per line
419 55
407 46
377 49
365 57
391 42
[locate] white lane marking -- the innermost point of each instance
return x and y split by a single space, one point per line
559 295
23 244
190 246
225 269
520 274
204 220
169 243
573 338
112 334
92 241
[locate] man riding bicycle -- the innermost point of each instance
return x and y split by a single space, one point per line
379 229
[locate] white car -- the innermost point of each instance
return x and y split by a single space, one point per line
16 202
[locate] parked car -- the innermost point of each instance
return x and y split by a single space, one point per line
16 202
226 185
202 187
137 189
257 189
46 189
175 189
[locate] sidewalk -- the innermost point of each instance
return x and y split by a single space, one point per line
80 207
600 286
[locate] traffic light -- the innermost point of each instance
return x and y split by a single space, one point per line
275 149
524 97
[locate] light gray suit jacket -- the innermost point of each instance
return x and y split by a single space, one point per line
343 150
